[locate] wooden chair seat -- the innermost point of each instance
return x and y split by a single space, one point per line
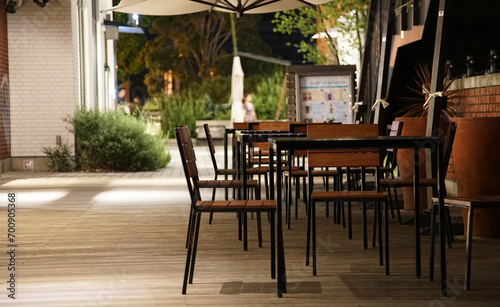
257 170
227 171
237 206
225 183
369 170
261 160
324 172
407 182
347 195
296 173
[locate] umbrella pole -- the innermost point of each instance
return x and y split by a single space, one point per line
233 30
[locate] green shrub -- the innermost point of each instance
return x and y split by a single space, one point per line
217 88
113 141
267 96
184 110
61 158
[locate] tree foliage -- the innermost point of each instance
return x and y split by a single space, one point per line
267 96
195 47
348 17
130 55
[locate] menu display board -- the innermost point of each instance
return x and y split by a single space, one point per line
325 98
321 93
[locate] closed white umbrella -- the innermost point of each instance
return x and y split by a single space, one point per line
237 78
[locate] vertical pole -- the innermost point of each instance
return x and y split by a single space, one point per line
385 54
365 62
233 31
436 104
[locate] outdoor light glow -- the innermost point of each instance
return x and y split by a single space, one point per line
132 197
37 197
136 19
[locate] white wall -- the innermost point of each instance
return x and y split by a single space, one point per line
56 63
41 75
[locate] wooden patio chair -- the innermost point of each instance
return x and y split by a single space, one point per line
298 171
235 185
345 159
198 206
394 183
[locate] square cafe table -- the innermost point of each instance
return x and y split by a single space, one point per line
279 144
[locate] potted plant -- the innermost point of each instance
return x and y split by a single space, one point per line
414 118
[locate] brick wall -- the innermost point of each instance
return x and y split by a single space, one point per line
42 76
4 96
480 102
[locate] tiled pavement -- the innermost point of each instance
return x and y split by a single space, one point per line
172 170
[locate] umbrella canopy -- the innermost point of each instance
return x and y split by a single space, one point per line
237 78
179 7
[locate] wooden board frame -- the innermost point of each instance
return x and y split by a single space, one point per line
296 72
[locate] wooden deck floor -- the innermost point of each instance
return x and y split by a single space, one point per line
113 241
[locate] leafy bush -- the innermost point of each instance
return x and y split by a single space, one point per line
217 88
267 97
184 110
61 158
113 141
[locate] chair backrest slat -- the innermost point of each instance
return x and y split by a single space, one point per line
270 126
187 148
240 125
188 158
211 146
343 158
209 138
274 126
396 128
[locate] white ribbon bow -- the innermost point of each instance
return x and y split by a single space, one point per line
356 105
436 94
384 103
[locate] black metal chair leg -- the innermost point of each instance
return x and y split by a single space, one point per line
468 248
273 246
245 231
396 200
349 219
365 239
308 232
259 229
380 243
375 223
386 233
195 247
432 243
189 227
190 244
390 201
313 215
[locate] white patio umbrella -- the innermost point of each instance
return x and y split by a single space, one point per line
179 7
237 77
